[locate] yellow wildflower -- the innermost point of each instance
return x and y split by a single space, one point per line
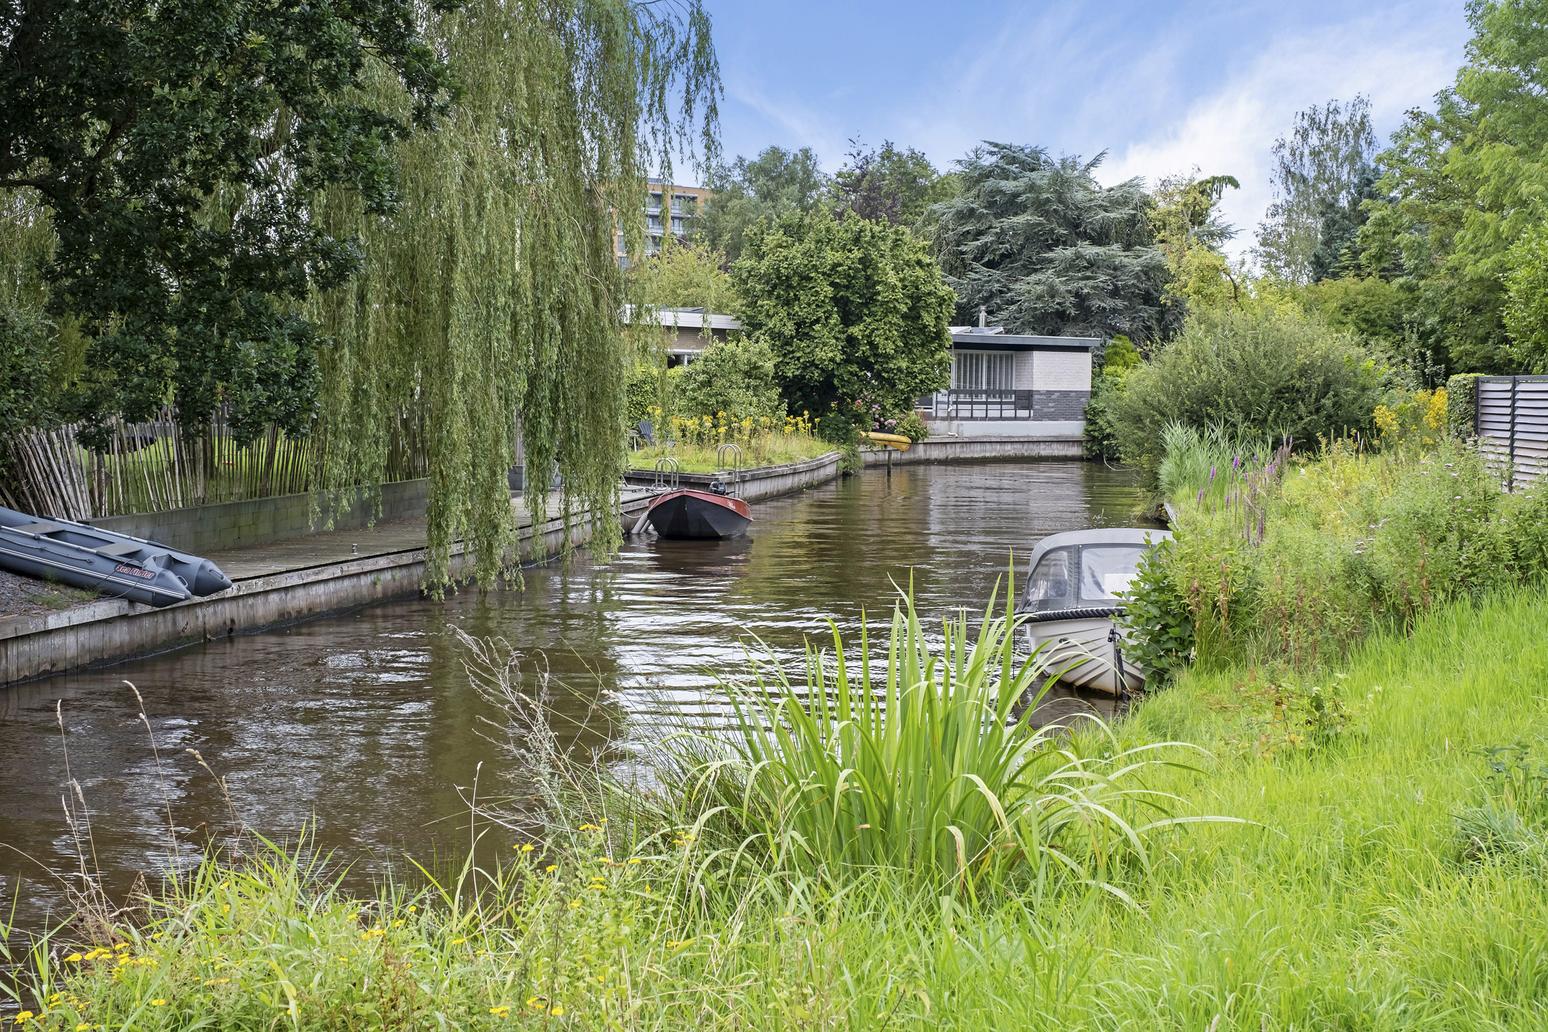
83 1027
413 909
74 958
589 827
23 1017
536 1002
458 941
556 1010
499 1012
158 1002
551 868
635 860
525 847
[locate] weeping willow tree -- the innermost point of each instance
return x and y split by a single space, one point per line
487 315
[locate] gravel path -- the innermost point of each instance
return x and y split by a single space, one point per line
23 596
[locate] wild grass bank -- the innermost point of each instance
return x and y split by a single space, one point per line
1392 877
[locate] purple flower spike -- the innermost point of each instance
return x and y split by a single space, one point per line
1236 462
1212 474
1201 496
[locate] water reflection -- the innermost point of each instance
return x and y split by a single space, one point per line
366 725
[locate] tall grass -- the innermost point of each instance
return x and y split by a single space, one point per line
922 761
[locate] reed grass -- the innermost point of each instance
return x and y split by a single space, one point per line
920 759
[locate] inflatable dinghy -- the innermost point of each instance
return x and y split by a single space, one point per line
99 560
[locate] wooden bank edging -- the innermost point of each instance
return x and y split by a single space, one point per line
112 630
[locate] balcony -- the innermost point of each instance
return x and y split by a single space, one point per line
978 403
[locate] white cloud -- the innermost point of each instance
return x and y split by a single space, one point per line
1231 131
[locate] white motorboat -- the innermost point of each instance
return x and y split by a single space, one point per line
1071 598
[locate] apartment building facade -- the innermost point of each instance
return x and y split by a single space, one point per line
670 208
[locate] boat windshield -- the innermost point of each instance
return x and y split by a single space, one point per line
1073 576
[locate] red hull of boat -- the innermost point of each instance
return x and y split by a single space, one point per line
687 514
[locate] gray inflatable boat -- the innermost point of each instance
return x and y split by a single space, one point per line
117 565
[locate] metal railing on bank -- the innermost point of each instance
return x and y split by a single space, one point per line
161 464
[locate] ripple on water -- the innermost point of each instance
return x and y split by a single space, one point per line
365 725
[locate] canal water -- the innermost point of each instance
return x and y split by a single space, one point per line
365 728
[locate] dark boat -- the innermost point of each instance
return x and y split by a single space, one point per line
99 560
687 514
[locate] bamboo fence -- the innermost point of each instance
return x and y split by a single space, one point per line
160 464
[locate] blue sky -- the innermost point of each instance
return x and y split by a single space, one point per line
1162 87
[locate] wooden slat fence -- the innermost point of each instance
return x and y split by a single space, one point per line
1512 423
154 466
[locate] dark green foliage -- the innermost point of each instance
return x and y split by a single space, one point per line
1525 517
175 146
734 377
646 391
1462 404
1255 373
27 361
1461 185
855 312
1526 299
1338 245
1155 617
889 185
774 183
1117 360
1045 248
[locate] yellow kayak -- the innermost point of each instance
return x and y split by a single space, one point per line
897 441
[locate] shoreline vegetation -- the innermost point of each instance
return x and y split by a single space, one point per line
1382 870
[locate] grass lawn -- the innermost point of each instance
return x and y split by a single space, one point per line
1388 879
764 450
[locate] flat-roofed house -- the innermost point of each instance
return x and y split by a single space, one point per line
1013 384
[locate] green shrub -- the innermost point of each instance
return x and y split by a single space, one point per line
734 377
913 426
646 392
1156 620
1461 404
1258 372
1525 529
1298 564
1119 358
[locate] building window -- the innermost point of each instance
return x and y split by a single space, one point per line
983 370
677 226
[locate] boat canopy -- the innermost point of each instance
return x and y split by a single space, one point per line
1085 569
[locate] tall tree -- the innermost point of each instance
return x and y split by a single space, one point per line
1190 233
174 147
854 310
1462 184
683 276
1045 248
775 182
1321 175
889 185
